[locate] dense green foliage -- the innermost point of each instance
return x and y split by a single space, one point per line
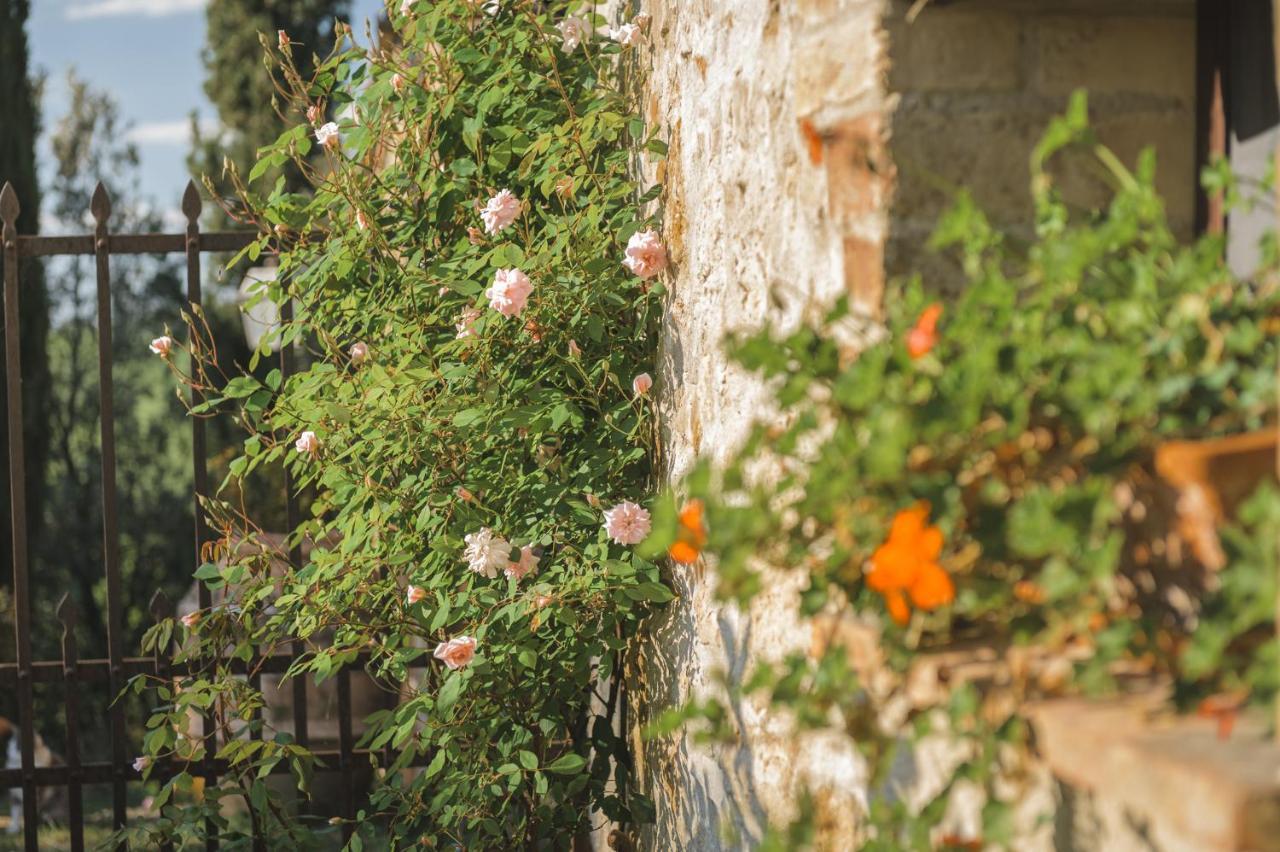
454 419
242 88
1026 423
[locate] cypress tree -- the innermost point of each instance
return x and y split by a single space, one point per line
19 128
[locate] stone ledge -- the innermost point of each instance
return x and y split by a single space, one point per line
1195 790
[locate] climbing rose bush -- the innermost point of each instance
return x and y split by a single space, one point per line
476 283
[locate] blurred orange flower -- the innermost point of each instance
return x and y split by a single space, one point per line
691 534
906 566
924 334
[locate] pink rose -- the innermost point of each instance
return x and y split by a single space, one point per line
486 552
457 652
464 494
627 35
414 594
509 292
627 523
500 212
362 221
397 83
191 619
571 30
162 345
527 564
313 113
359 353
542 600
466 324
574 349
307 443
282 38
141 763
646 256
640 384
327 135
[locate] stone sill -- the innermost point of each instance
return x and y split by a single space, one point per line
1194 790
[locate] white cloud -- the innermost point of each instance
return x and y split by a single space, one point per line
176 132
147 8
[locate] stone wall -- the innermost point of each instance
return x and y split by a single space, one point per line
977 81
754 95
790 123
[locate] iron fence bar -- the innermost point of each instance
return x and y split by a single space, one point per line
218 241
292 521
91 670
102 771
191 207
100 207
346 750
67 615
161 608
9 209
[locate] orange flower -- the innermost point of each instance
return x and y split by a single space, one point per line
691 534
924 335
908 563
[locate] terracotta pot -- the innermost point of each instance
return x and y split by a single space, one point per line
1212 477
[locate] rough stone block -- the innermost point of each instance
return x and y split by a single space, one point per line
1105 54
945 50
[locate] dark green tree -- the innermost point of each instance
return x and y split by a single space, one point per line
241 86
19 127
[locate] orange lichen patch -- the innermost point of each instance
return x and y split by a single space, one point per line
812 141
906 566
923 336
691 534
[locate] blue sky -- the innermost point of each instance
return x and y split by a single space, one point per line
146 54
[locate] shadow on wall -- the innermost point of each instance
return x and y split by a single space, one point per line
713 789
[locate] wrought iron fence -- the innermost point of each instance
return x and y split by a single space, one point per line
22 674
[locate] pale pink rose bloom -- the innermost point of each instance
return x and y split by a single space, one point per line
574 349
282 38
161 346
359 353
141 763
313 113
627 523
500 212
457 652
464 494
466 324
542 600
362 221
191 619
571 30
414 594
627 35
486 553
307 443
527 564
509 292
327 135
640 384
397 83
646 256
